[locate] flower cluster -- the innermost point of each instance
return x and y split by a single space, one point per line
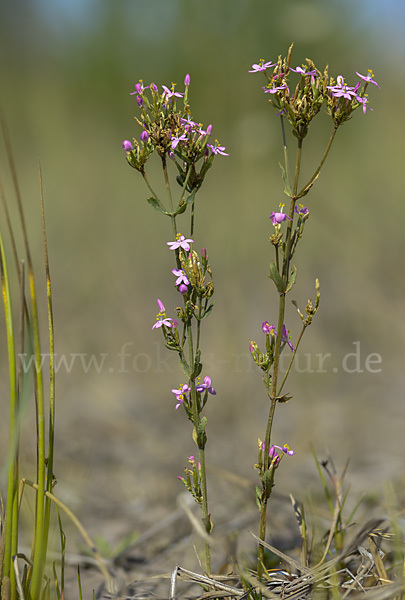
285 334
301 103
267 469
193 271
182 394
276 457
277 218
192 479
172 133
264 360
191 282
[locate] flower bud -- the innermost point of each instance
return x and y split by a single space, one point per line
126 144
144 136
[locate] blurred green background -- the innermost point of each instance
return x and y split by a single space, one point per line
66 71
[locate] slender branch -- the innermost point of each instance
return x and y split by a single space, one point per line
292 359
315 175
169 194
184 187
146 180
285 149
297 167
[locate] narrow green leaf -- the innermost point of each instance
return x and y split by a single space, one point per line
287 189
191 197
207 522
258 496
209 309
293 277
185 366
197 370
181 209
189 200
156 205
202 426
197 357
276 277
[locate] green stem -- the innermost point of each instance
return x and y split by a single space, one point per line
315 175
192 219
155 196
297 167
184 187
285 150
291 360
146 180
204 508
277 352
201 447
169 195
266 457
288 244
197 344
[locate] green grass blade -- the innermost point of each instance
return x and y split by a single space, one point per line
323 480
11 524
51 337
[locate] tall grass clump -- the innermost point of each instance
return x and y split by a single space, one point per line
24 575
23 337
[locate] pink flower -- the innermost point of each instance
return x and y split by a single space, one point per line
278 217
181 242
201 387
167 322
368 78
261 66
171 93
162 319
275 89
217 149
180 394
266 328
